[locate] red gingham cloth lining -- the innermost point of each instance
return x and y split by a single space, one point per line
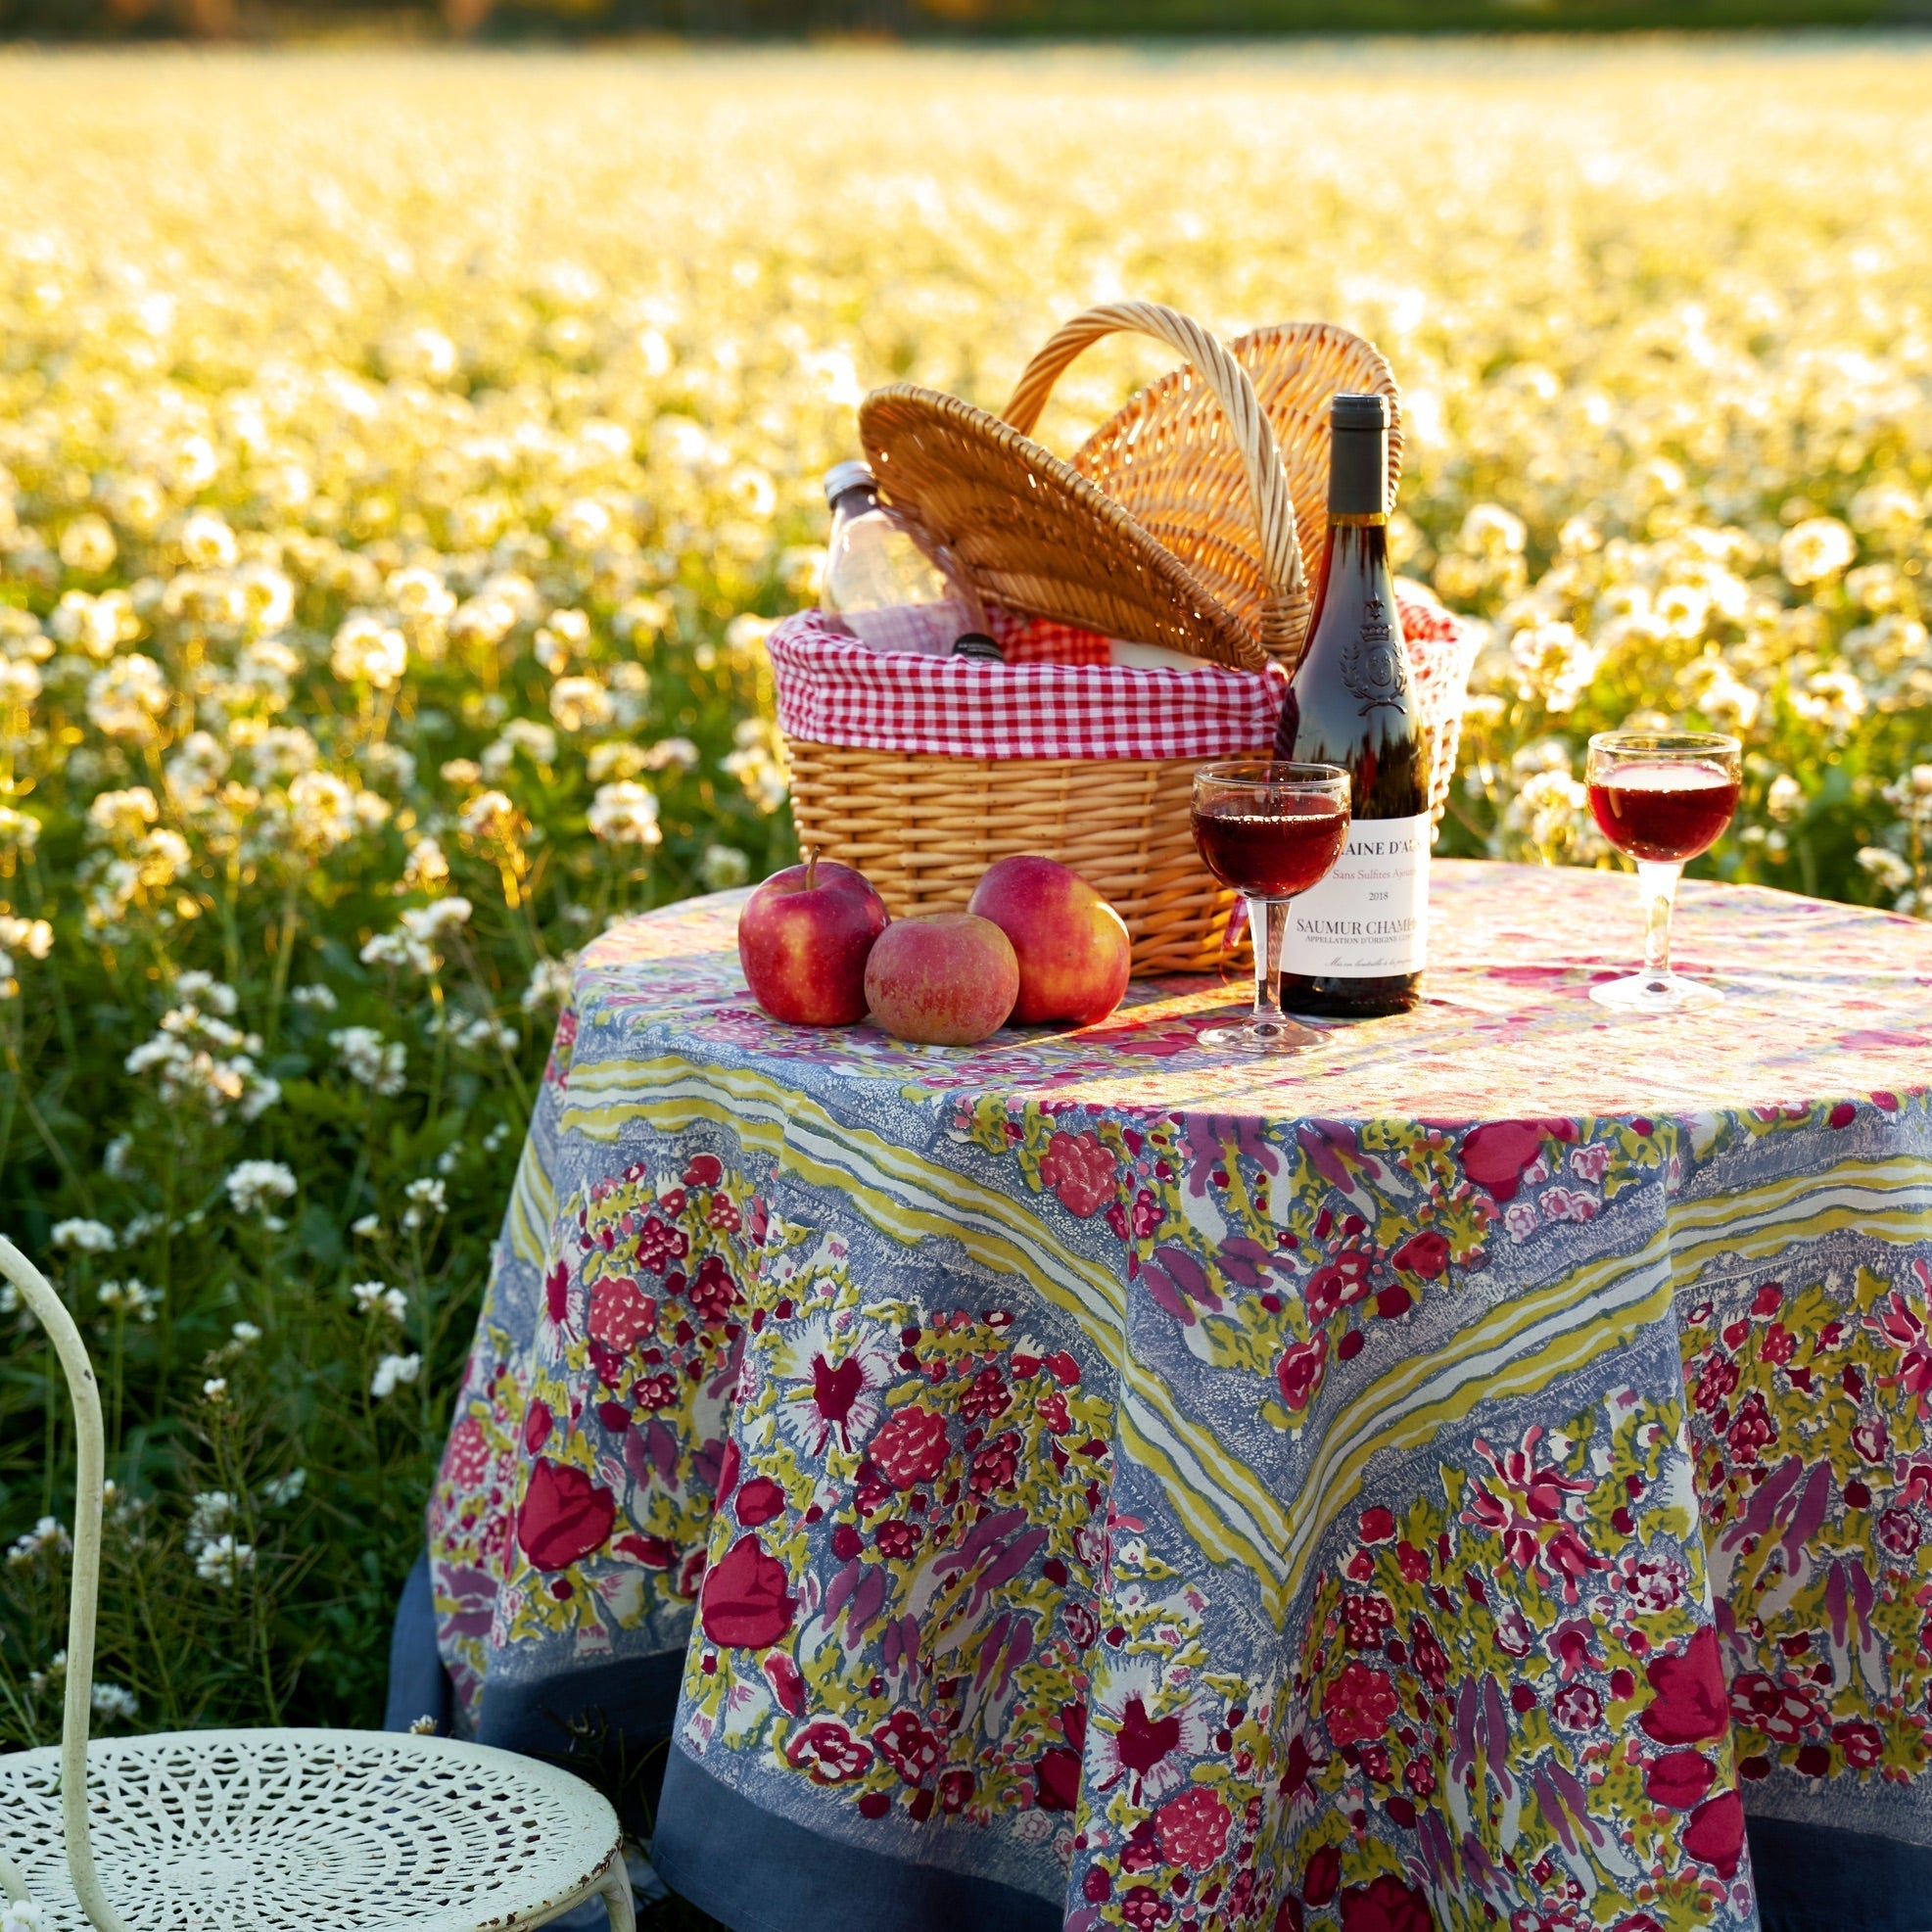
1437 638
1044 639
832 690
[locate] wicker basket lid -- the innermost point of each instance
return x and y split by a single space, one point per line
1033 534
1168 459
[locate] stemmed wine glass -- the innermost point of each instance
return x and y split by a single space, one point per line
1269 830
1661 798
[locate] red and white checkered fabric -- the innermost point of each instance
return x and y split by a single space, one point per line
1442 650
1437 640
1044 639
834 691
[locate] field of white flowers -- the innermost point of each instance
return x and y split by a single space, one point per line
398 454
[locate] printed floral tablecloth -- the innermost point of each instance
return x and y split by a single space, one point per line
1446 1481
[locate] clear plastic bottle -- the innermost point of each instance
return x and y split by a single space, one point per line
886 588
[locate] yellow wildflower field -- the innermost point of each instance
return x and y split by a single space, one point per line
400 454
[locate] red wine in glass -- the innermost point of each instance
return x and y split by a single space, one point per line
1664 812
1661 798
1273 852
1270 828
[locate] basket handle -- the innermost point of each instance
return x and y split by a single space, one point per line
1285 610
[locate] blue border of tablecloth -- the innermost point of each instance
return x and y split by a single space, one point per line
1817 1878
1809 1878
703 1827
419 1686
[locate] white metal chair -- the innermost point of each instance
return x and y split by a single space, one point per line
262 1830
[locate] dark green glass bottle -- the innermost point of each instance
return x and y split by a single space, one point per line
1355 942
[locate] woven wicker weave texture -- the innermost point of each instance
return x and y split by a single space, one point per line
1194 519
1036 537
1169 459
924 829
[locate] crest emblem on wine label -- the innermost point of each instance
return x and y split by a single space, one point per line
1372 664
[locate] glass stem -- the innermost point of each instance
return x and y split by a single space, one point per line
1657 881
1267 925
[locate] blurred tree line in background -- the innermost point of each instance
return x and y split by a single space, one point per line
513 20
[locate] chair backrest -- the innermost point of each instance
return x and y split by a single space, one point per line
51 1312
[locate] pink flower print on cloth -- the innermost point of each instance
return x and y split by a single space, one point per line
1143 1738
565 1516
744 1600
621 1313
1080 1170
1194 1827
831 1383
911 1448
1386 1904
1359 1704
1528 1497
1900 1323
1689 1702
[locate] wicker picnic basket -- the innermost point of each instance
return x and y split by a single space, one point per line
1220 571
1167 460
894 788
1170 460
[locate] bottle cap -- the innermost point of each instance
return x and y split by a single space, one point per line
1358 456
977 644
1351 411
842 477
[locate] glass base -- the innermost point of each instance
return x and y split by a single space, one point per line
1654 992
1272 1034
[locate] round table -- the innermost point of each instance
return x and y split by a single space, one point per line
1449 1479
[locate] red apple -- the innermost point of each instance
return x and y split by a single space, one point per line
804 937
944 981
1074 952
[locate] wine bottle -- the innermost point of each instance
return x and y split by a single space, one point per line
1355 942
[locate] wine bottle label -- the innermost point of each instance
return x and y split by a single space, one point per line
1370 916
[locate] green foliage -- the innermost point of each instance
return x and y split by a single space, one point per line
950 19
1273 16
260 1302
